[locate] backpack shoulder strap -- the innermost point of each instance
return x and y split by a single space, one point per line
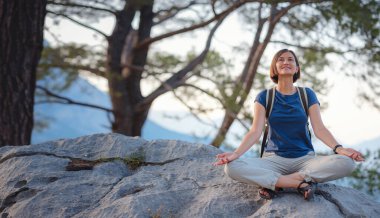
268 110
303 97
269 101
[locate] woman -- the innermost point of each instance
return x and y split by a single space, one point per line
289 160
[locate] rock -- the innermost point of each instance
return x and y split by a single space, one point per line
110 175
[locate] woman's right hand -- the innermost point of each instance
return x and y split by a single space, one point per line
225 158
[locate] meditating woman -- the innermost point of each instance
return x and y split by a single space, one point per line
289 160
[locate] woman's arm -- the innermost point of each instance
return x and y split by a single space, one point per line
249 139
254 133
326 137
319 128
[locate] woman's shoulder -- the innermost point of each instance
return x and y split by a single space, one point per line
308 90
311 96
262 92
261 96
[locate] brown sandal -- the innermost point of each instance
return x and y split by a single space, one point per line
308 191
267 194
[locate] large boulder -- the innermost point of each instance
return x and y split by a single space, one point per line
110 175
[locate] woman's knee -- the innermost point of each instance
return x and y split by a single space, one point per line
331 167
232 169
345 164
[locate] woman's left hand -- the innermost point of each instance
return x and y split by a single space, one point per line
352 153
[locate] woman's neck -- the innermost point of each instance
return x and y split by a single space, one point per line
286 87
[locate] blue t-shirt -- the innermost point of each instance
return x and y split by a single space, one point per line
288 134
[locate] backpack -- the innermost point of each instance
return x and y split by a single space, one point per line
269 106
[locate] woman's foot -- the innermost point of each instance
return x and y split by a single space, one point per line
268 194
307 189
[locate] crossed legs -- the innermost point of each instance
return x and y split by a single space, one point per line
277 172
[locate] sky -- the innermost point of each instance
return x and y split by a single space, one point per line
348 122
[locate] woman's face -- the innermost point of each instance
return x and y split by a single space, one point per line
286 64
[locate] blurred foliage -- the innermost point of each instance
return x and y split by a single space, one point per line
351 20
366 176
208 82
211 77
92 11
161 66
59 66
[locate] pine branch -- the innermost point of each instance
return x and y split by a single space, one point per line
82 6
55 37
191 109
205 92
66 100
195 111
170 13
78 67
178 78
79 23
223 14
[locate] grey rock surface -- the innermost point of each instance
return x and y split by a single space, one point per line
110 175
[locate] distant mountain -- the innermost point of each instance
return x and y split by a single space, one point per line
70 121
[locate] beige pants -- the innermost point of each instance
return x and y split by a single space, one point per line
266 171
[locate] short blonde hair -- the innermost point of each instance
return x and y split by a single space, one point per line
273 70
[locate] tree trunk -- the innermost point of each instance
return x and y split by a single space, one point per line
139 60
125 64
116 81
21 38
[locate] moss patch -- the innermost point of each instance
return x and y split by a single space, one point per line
133 161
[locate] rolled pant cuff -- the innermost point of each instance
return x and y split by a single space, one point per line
275 178
305 174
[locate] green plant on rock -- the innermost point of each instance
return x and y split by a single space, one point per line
135 160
